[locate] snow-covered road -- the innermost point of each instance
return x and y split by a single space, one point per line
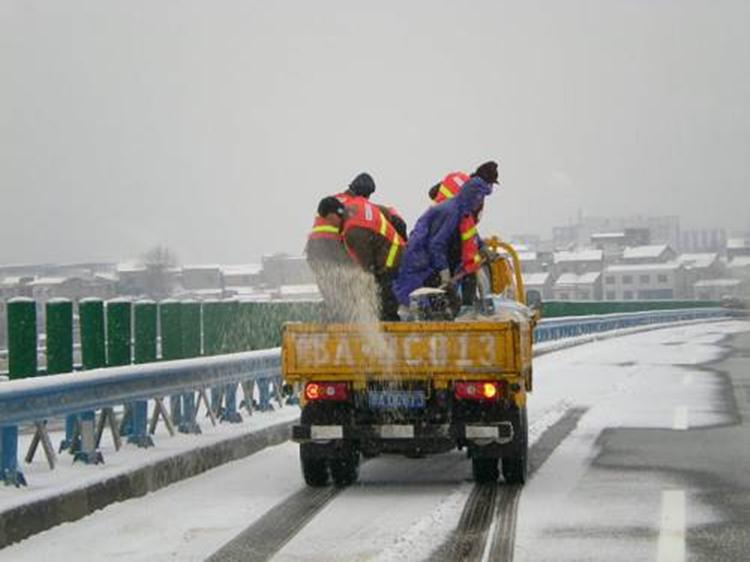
403 509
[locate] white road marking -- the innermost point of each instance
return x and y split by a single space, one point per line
672 531
680 418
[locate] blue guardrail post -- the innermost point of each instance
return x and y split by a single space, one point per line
190 323
230 309
170 312
59 319
145 329
22 363
94 356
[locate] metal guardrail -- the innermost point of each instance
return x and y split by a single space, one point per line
557 328
36 399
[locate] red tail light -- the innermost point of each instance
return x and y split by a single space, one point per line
336 391
487 391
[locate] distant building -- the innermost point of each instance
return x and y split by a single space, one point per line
282 269
578 261
11 287
73 288
131 279
701 266
738 247
246 275
703 240
642 230
613 244
541 282
655 253
530 262
716 289
739 267
574 287
648 281
198 277
304 292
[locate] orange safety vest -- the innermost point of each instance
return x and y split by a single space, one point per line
471 261
467 227
322 229
363 214
450 186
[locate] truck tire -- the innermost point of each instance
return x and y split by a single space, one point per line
515 469
314 468
484 469
345 468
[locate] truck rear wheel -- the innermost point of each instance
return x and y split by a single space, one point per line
314 468
345 468
485 469
515 469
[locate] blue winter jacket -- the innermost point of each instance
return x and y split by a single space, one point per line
427 248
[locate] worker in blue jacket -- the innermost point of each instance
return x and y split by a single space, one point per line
426 261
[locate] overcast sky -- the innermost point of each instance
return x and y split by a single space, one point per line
215 127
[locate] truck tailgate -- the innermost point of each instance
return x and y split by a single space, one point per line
398 349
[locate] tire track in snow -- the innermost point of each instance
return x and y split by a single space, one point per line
268 535
486 530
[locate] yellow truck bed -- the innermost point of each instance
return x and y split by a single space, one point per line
440 351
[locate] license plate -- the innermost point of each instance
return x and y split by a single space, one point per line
395 399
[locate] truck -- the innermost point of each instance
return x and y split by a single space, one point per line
440 381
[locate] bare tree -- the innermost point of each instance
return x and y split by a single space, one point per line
160 263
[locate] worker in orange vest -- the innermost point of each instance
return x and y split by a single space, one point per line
329 260
372 241
466 248
364 186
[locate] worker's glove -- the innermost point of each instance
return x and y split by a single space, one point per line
445 277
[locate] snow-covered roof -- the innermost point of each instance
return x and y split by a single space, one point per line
46 281
213 291
578 255
307 289
130 267
608 236
641 252
698 260
527 256
574 279
670 266
242 269
9 281
740 261
535 278
717 283
209 267
106 276
737 243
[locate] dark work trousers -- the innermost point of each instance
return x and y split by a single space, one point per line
388 302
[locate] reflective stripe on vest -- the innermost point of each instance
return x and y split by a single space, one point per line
450 186
470 258
362 215
469 233
324 230
391 259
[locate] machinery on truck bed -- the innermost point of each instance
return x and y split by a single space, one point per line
419 387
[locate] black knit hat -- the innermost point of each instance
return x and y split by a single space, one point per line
363 185
487 171
330 205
